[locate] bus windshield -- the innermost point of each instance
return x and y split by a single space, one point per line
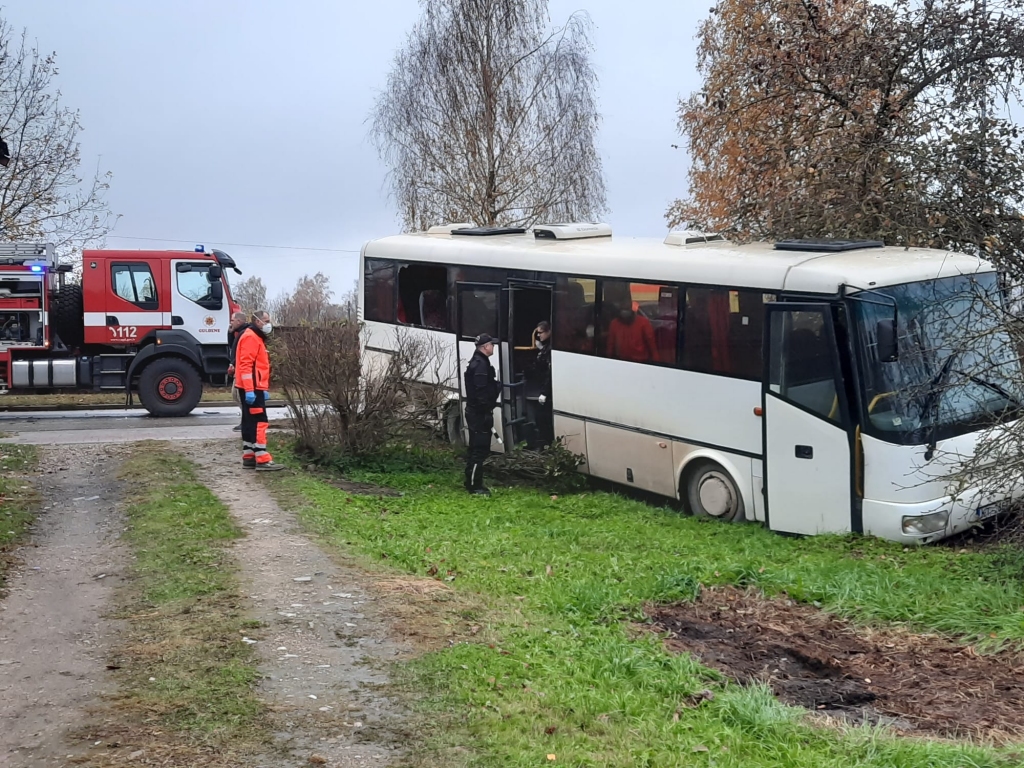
957 368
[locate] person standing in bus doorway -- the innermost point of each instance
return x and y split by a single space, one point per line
235 329
482 392
544 415
252 377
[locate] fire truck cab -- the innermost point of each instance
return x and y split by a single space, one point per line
151 323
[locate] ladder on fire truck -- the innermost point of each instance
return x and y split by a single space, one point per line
39 257
23 253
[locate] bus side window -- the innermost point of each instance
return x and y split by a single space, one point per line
575 321
722 331
422 296
379 291
803 373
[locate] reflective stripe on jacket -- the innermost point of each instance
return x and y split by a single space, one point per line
252 363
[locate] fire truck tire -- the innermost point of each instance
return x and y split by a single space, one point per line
170 386
66 316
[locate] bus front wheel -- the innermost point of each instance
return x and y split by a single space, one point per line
711 492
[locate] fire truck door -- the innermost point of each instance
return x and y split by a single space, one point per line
131 306
198 304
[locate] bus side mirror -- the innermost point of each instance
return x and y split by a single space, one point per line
885 336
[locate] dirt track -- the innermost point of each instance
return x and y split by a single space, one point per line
323 642
54 639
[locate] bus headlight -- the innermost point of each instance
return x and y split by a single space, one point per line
922 525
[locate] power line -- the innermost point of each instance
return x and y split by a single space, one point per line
233 245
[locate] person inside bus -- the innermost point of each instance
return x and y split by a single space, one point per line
631 337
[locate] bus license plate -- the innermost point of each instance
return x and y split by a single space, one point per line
990 510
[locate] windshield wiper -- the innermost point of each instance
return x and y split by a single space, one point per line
929 406
993 387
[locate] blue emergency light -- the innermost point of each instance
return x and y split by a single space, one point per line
36 268
200 249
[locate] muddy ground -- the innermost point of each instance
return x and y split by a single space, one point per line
916 683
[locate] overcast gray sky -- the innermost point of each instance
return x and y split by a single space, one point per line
235 122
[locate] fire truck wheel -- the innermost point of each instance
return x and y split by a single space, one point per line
170 386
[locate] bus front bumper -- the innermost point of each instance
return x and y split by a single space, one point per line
929 520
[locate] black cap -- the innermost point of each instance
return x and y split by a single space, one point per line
484 338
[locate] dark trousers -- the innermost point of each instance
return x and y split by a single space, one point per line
254 428
480 424
543 417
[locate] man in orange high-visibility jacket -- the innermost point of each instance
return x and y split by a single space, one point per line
252 378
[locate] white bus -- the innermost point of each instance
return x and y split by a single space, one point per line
774 383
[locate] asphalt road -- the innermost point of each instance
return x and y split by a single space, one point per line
129 425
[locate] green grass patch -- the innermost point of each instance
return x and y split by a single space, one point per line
184 659
18 499
562 672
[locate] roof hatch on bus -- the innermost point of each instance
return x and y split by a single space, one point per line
691 238
447 229
488 231
826 245
571 231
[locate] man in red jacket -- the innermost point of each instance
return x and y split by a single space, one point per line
252 378
631 337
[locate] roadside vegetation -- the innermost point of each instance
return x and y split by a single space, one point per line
18 499
185 676
560 671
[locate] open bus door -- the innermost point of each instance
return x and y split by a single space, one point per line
529 303
478 308
807 446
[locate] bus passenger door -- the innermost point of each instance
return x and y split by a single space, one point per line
807 454
478 307
529 303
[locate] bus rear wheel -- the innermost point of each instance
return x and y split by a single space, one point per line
710 492
170 386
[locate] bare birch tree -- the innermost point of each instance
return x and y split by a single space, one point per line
490 115
43 193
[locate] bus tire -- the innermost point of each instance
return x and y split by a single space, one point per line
453 424
170 386
710 492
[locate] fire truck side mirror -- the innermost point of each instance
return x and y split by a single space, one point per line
215 273
217 293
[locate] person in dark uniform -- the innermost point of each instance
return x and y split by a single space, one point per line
482 393
544 416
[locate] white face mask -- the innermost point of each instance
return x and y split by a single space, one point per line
268 328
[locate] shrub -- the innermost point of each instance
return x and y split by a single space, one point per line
346 403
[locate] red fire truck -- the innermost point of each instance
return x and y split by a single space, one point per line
152 323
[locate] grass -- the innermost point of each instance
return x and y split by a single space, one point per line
561 672
18 499
183 664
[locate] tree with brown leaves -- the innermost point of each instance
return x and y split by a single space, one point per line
853 118
490 116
